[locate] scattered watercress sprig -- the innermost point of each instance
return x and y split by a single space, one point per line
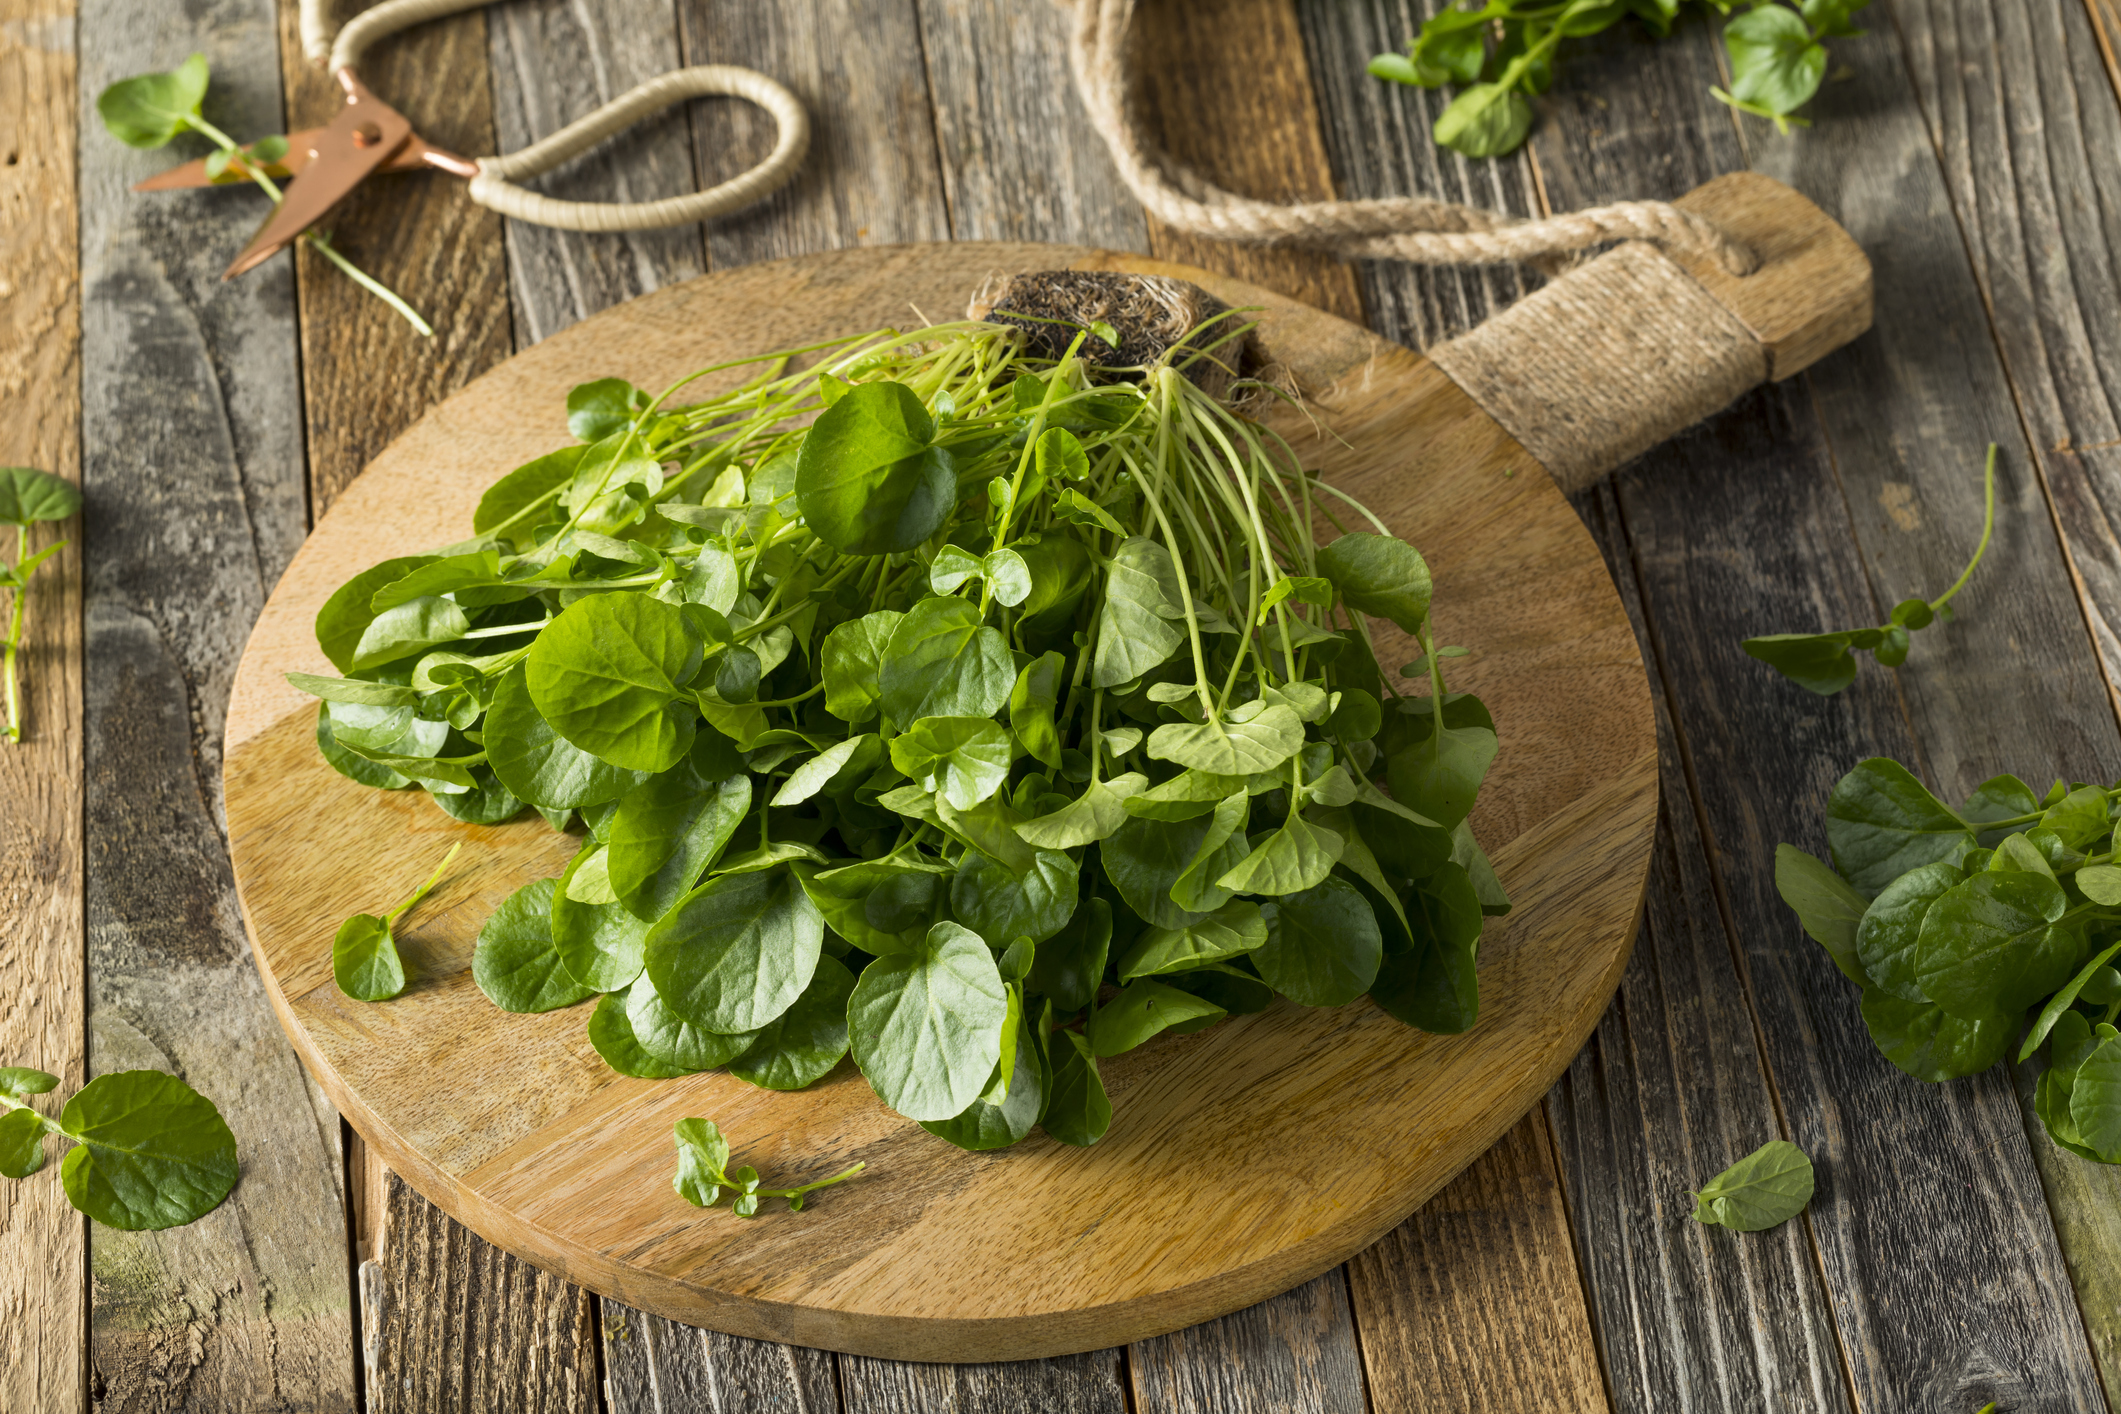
1957 923
703 1172
26 497
1505 49
149 1151
364 953
150 110
978 713
1824 663
1764 1189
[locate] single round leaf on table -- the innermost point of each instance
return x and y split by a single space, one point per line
1764 1189
671 1039
153 1152
982 1127
942 662
1987 946
994 903
802 1045
1434 985
600 944
703 1161
1882 822
1930 1043
1142 1009
515 963
1323 946
364 959
1889 935
2095 1100
606 675
668 830
21 1143
737 951
539 765
1826 907
28 495
611 1032
1379 575
963 759
868 477
926 1026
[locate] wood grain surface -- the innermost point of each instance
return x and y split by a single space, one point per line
559 1161
43 1297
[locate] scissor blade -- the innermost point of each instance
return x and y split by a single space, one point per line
365 135
193 173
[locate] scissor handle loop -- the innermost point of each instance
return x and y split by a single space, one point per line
491 187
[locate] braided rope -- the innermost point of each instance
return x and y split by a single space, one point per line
1398 228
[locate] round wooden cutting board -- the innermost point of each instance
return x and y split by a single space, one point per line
1241 1161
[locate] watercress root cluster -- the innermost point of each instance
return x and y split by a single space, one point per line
978 711
149 1151
1504 50
1975 927
26 497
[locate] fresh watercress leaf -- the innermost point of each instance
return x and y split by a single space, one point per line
2095 1100
963 759
1296 857
1829 910
801 1046
926 1026
942 662
364 954
1882 822
1141 1010
1096 814
1002 906
2063 999
869 477
606 675
1988 945
515 963
1133 636
539 765
1764 1189
983 1127
1888 939
611 1033
1077 1109
1067 966
668 830
28 496
1434 985
852 662
1380 576
1323 946
674 1041
149 110
1486 120
600 944
703 1172
737 951
1236 928
1032 702
1231 748
1930 1043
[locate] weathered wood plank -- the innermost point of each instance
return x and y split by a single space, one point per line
1297 1352
2024 118
1947 1283
656 1366
871 177
1227 91
366 373
191 461
1072 1384
43 1285
503 1336
554 62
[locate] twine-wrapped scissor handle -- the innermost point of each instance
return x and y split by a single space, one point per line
492 186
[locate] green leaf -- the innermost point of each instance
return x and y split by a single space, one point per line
346 615
21 1143
603 408
153 1152
436 577
953 565
1032 702
868 478
853 758
676 1042
1094 815
515 963
982 1127
2079 818
2101 883
539 765
965 760
21 1082
1323 946
1227 748
1074 507
1294 858
2051 1102
1238 927
1002 906
1764 1189
354 691
1485 120
1888 939
364 959
611 1033
2095 1100
1817 662
703 1162
1379 575
1060 456
149 110
599 943
1775 62
2062 1000
1930 1043
851 661
1068 966
349 764
2000 798
409 629
508 501
1133 636
1434 985
926 1027
1987 946
1198 888
1141 1010
801 1046
1439 774
1882 822
606 675
28 495
941 662
1077 1110
1144 858
668 830
738 951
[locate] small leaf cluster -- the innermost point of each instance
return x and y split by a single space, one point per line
152 110
1824 663
149 1151
26 497
981 714
1971 928
703 1173
1764 1189
1504 50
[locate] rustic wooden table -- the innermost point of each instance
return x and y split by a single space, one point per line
1952 1257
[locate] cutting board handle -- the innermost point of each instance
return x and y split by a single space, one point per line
1615 356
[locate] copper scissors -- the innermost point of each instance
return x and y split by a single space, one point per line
369 136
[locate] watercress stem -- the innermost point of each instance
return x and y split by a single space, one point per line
14 639
422 891
1988 528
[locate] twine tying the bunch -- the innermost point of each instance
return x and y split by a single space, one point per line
1414 229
